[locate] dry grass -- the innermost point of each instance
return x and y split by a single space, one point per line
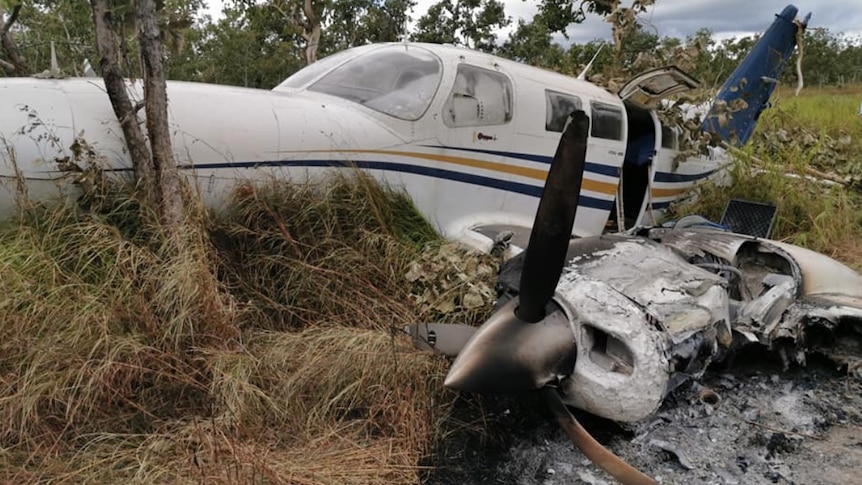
324 406
120 362
336 253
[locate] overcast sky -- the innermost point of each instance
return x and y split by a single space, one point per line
726 18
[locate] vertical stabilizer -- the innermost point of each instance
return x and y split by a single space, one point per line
746 93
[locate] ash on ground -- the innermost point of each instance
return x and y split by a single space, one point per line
751 423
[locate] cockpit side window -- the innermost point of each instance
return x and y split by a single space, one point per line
558 108
399 81
479 97
606 121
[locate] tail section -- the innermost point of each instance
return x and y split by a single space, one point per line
746 93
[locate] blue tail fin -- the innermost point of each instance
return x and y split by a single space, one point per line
746 93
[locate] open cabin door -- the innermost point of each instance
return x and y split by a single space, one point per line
646 154
648 89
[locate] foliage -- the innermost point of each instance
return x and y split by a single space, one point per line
815 124
259 44
532 42
451 286
69 27
471 23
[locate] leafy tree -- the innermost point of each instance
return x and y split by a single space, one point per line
248 46
256 44
68 26
470 23
828 59
579 55
356 22
531 42
558 15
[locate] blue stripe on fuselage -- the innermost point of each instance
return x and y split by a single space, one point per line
506 185
679 177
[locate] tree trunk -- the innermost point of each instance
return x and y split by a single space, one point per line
115 85
197 301
312 33
16 66
168 182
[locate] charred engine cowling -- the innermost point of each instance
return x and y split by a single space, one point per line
653 311
645 331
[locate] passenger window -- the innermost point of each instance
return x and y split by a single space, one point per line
479 97
668 137
606 122
558 108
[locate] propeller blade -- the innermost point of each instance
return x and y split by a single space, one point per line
555 217
598 454
524 346
508 356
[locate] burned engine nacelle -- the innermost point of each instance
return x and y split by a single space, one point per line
650 312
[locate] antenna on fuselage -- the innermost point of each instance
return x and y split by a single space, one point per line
583 75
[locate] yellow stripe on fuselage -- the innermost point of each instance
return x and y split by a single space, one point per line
671 192
533 173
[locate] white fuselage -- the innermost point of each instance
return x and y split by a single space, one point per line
468 136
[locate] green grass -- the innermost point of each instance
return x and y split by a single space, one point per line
831 110
823 123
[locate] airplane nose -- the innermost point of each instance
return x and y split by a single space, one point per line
507 355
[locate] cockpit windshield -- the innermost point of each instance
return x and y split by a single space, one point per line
399 81
309 73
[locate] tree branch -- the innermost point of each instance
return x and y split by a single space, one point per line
11 20
7 66
19 65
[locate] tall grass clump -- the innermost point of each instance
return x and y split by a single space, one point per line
120 361
333 252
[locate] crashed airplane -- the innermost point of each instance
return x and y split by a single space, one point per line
631 316
607 323
612 324
468 135
624 319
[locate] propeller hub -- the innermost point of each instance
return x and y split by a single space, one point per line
507 355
